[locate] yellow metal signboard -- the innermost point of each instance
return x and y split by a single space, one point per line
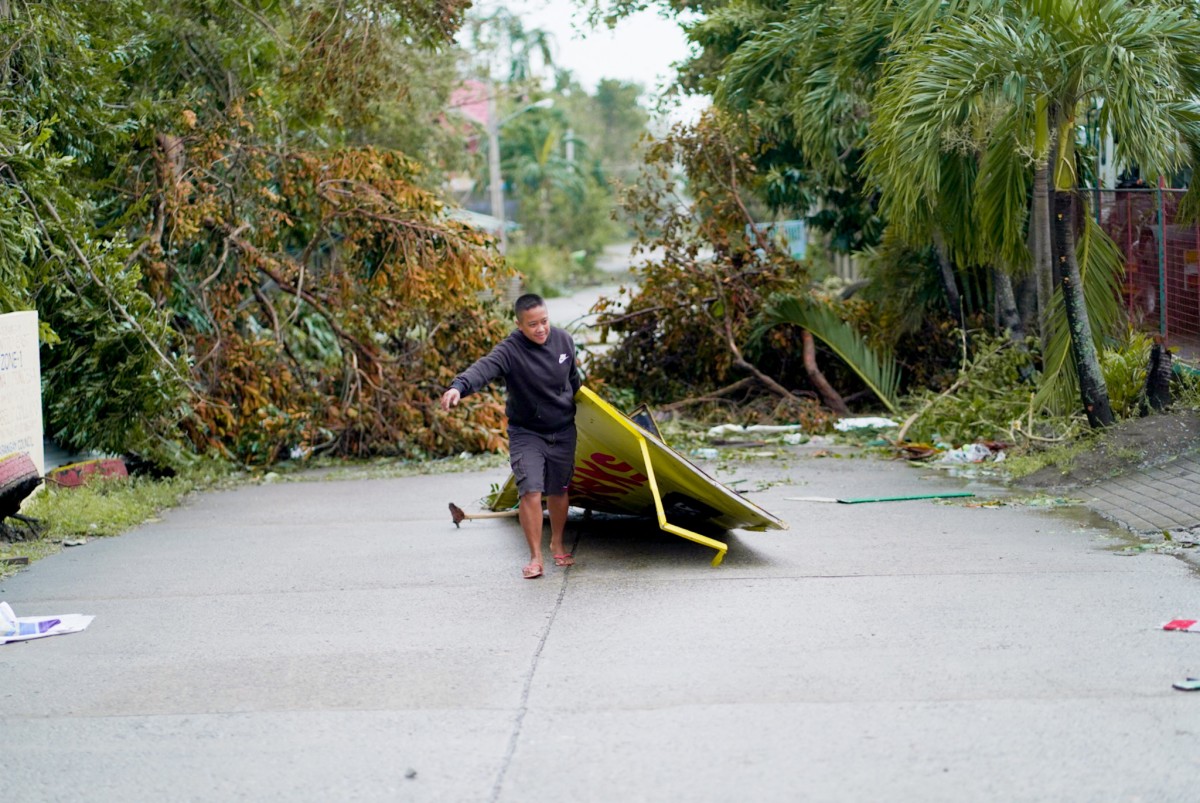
620 467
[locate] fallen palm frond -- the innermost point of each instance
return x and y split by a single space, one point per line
878 369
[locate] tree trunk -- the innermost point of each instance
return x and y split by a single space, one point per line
833 400
1092 389
1158 381
1006 306
1040 247
949 283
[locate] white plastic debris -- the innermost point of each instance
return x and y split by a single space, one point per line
23 628
969 453
865 422
722 430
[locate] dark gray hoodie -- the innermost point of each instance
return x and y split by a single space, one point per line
542 380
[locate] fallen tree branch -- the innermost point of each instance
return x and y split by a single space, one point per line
833 400
259 262
746 365
714 396
912 419
964 377
167 362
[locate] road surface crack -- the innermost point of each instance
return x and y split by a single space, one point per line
523 707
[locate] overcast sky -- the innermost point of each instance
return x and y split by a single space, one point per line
640 49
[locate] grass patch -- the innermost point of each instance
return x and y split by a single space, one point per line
103 507
110 506
106 506
1061 456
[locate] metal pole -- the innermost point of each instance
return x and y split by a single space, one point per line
1162 262
496 181
570 144
1131 282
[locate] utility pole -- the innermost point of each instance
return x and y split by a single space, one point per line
496 182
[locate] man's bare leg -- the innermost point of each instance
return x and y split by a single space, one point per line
558 505
530 514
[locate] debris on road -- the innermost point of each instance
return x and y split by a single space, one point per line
78 474
865 422
722 430
1183 625
458 515
1024 501
24 628
907 498
971 453
865 499
1187 684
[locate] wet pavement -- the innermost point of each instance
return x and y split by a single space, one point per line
341 640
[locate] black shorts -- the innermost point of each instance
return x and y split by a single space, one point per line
542 463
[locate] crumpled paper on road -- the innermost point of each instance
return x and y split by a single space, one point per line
24 628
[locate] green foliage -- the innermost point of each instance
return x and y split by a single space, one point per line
801 75
1125 367
612 123
543 270
902 286
218 262
992 402
1185 386
677 326
111 377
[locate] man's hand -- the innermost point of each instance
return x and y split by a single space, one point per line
450 399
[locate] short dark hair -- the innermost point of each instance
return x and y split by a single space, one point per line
527 302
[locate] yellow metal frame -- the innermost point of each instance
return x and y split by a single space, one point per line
663 524
674 529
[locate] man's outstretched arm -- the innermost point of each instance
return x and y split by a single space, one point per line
487 368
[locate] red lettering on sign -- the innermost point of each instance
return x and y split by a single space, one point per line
591 487
609 461
588 468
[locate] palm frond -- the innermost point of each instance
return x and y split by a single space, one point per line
1002 198
878 369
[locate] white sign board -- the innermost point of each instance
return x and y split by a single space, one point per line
21 387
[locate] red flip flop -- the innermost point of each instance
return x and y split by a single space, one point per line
564 560
531 571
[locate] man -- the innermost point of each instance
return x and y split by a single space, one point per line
537 362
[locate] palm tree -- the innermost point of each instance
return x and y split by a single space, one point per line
1005 82
541 171
513 53
812 75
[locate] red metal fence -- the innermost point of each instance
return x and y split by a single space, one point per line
1162 261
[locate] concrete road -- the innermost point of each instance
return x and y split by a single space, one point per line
342 641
